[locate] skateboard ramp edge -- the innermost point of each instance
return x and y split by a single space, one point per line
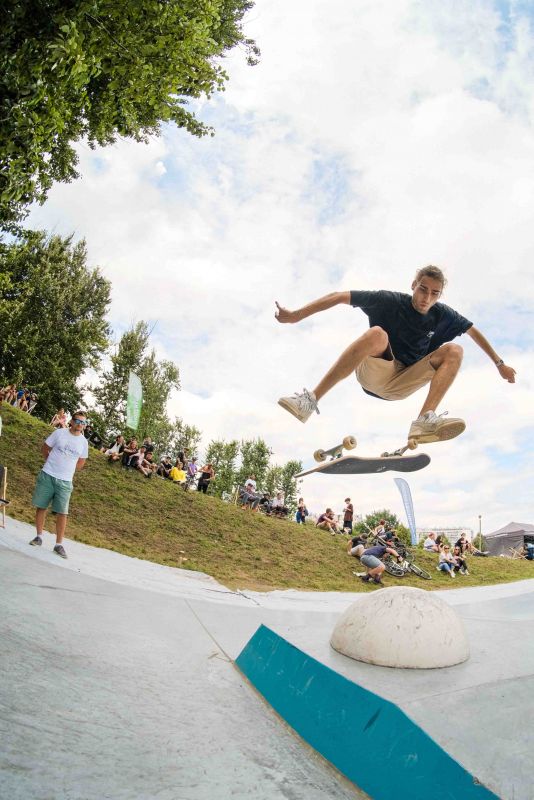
367 738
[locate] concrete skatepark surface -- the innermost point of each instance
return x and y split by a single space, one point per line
118 682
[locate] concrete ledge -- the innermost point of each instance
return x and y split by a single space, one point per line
370 740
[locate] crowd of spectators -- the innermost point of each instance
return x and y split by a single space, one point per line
183 471
452 560
22 397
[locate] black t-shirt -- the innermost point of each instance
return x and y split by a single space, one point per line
412 335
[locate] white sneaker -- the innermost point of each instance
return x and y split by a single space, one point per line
300 405
433 428
452 574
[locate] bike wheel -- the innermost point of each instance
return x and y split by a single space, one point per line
419 571
394 569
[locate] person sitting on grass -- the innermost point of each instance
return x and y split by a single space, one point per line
446 561
165 466
371 557
177 473
468 547
430 543
137 458
129 452
327 522
460 564
115 450
8 394
148 467
249 497
59 420
278 507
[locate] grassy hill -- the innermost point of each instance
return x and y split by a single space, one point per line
155 520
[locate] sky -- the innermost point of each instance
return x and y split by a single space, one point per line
373 138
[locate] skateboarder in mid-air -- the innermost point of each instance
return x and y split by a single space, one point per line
407 346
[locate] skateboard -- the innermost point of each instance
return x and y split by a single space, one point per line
338 464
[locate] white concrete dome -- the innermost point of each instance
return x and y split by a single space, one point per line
402 627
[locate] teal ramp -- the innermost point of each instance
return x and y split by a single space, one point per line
368 739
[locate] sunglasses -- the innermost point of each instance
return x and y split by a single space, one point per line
79 421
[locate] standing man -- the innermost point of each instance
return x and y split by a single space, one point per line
348 514
65 451
408 345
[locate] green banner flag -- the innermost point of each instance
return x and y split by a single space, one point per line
134 402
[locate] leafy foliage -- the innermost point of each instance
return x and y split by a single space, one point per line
255 455
158 379
101 69
223 456
52 317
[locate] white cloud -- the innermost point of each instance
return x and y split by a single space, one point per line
424 110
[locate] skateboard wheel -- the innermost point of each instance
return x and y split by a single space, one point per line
349 442
412 444
319 455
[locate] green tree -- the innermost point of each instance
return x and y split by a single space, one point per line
273 479
101 69
223 456
183 438
288 483
255 455
372 520
52 317
158 379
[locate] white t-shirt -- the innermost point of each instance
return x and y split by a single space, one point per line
65 452
429 543
250 485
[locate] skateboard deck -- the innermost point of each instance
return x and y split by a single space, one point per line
358 465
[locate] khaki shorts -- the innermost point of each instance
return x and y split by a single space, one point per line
391 380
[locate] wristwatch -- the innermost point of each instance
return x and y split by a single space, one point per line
499 363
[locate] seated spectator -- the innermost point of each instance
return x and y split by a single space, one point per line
380 528
137 458
146 465
148 444
278 506
529 551
115 450
248 496
468 547
19 398
327 522
446 561
460 564
265 503
165 466
371 557
207 474
23 402
8 393
430 543
440 542
92 436
177 473
302 512
129 452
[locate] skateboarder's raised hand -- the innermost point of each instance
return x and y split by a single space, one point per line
328 301
506 372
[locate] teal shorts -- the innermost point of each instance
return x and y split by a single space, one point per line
52 490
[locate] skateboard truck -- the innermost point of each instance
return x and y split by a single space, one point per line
349 443
411 445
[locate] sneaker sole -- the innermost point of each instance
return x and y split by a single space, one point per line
35 544
445 433
287 407
60 554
